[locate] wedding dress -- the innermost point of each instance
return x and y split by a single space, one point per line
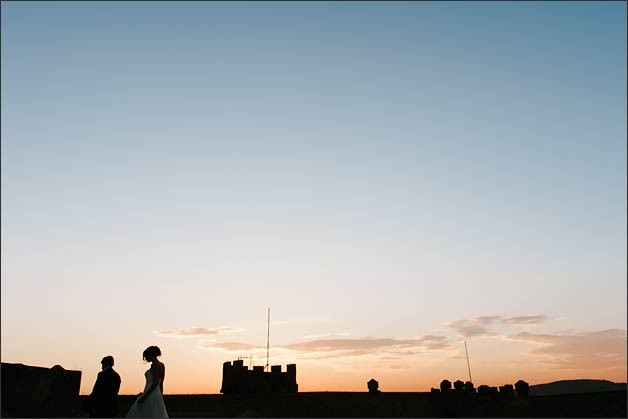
153 405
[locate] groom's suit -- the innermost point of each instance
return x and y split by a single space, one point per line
104 397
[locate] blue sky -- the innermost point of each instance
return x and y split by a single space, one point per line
426 161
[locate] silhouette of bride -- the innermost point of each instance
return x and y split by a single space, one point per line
150 404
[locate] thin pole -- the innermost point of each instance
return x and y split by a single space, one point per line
268 339
468 365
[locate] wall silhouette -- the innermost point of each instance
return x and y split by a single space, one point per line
37 391
523 389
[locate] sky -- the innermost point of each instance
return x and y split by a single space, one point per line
391 178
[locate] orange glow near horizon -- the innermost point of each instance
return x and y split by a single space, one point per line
346 364
313 378
501 351
190 371
388 382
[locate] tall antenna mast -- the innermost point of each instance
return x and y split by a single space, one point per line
468 365
268 339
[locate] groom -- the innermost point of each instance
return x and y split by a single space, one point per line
104 397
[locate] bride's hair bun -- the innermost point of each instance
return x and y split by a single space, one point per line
151 351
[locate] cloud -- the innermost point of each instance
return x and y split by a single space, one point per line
233 346
604 349
338 348
478 326
197 332
363 344
433 342
474 327
524 320
325 335
399 367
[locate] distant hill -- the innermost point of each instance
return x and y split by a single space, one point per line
575 386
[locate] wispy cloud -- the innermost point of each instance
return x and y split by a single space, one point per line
339 348
233 346
476 326
479 326
432 342
363 344
604 349
197 332
524 320
326 335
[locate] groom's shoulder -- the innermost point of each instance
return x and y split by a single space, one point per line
109 371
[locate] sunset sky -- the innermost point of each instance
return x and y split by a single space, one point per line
390 178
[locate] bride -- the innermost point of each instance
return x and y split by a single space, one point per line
150 404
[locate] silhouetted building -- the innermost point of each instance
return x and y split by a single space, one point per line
373 386
522 388
445 386
238 379
458 385
506 391
469 388
37 391
488 392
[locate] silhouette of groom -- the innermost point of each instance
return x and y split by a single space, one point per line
104 397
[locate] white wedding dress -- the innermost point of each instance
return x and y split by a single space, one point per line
153 406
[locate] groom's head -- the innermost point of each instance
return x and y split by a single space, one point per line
107 362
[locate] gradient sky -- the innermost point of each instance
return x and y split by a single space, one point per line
391 178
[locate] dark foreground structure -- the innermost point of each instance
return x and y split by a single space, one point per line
389 405
36 391
238 379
